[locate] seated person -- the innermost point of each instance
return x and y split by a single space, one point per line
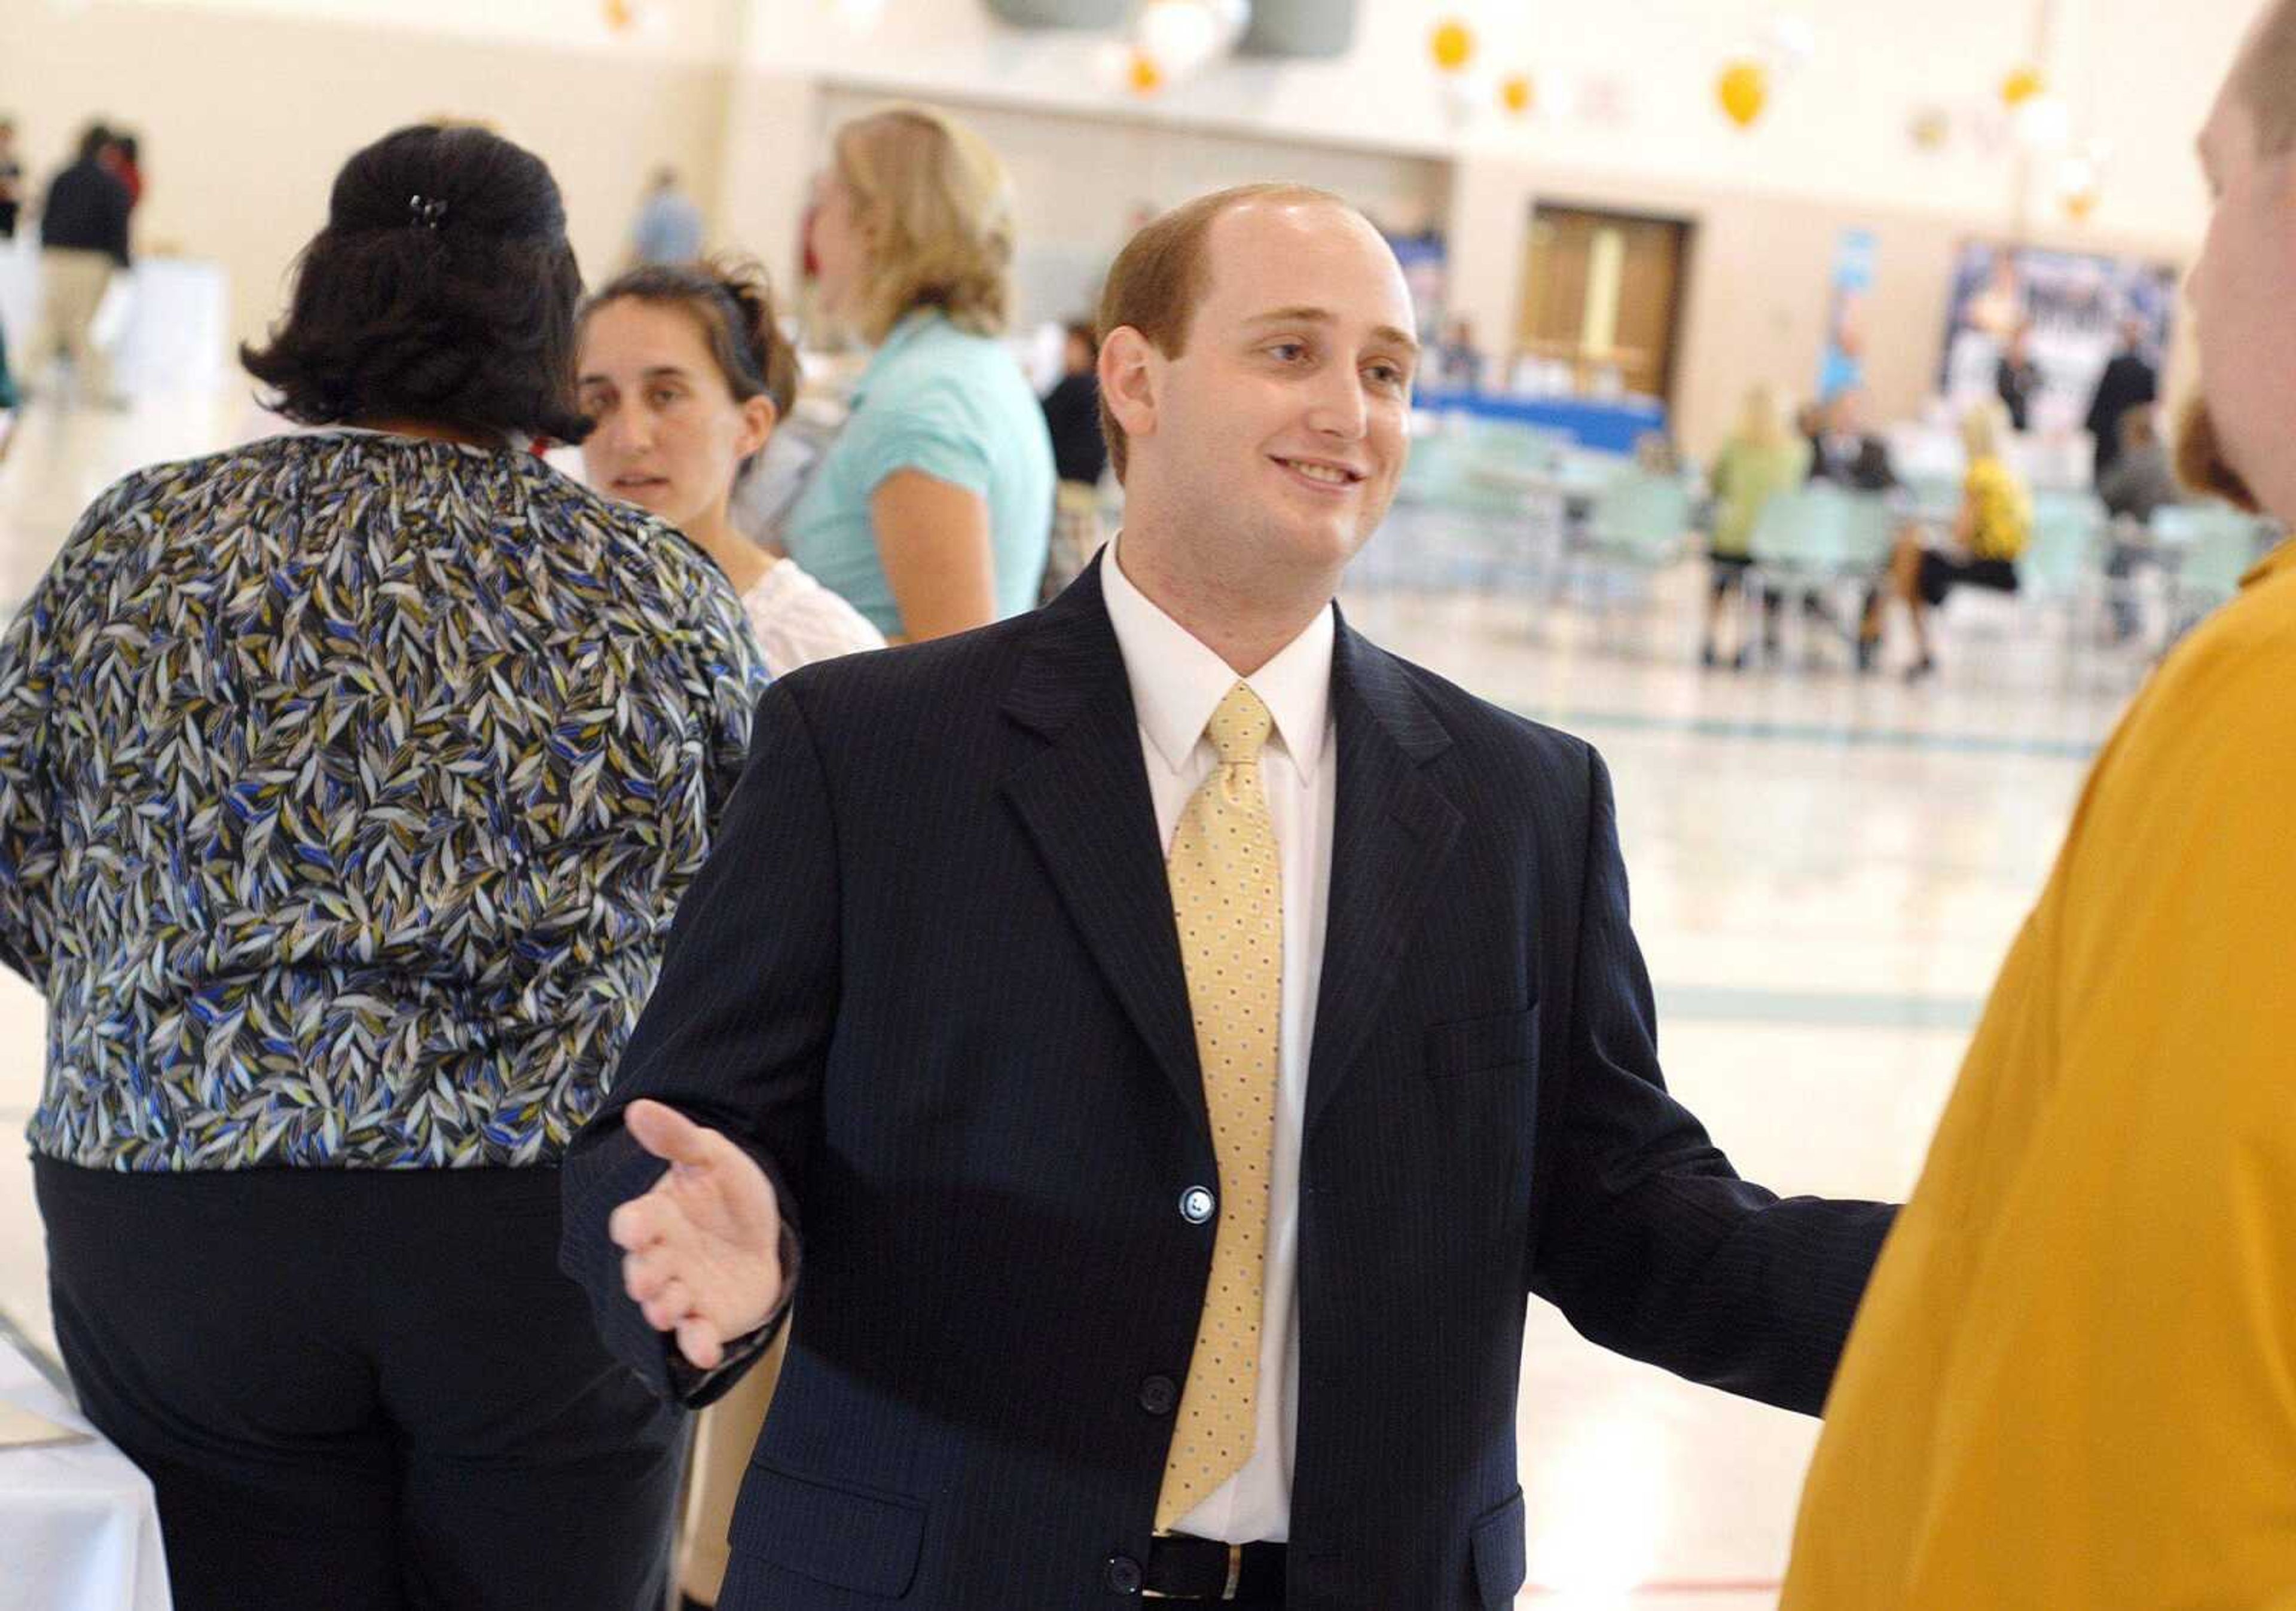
1762 458
1989 534
2141 480
1845 453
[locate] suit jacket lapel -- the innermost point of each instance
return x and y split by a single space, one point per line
1084 798
1391 833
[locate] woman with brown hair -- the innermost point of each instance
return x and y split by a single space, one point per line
348 781
684 374
932 513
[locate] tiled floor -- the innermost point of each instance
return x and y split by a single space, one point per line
1826 873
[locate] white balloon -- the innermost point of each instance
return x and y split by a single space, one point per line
1791 41
2044 123
1180 37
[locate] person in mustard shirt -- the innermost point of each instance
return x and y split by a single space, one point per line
1989 534
2072 1383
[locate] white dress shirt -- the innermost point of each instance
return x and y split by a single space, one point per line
1176 682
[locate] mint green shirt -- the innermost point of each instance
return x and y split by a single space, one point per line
951 405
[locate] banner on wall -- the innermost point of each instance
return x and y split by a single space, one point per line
1843 367
2071 307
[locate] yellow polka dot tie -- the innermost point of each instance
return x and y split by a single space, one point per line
1227 897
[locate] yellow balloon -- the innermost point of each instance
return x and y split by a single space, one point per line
1517 95
1452 44
1144 75
1744 89
2081 204
619 16
2023 85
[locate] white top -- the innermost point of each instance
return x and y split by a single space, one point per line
1177 684
799 621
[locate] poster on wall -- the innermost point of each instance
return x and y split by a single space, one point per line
2065 312
1843 367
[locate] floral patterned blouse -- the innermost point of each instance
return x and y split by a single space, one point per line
348 785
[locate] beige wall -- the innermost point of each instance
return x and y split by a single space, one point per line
249 111
245 118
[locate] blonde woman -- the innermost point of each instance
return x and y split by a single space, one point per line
1762 458
1989 534
932 513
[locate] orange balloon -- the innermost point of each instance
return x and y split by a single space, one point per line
1517 95
1144 75
619 16
2023 85
2081 204
1744 90
1452 44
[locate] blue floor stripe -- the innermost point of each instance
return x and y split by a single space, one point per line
1838 1009
1812 732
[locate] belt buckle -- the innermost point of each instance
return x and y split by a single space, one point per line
1227 1589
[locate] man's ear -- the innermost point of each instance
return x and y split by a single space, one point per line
1128 381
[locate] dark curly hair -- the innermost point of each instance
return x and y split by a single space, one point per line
442 289
733 301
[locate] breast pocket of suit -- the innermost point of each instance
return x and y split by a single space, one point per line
1480 1094
1485 1045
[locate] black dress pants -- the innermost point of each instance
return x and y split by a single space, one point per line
369 1391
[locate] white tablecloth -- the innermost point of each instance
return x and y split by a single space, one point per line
79 1529
178 326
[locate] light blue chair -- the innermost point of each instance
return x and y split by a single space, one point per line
2212 545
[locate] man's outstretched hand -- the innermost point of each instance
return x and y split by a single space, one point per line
701 1250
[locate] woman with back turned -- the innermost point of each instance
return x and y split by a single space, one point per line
348 783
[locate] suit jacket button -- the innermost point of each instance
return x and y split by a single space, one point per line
1124 1575
1159 1396
1196 1205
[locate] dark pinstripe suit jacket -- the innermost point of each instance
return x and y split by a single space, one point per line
930 977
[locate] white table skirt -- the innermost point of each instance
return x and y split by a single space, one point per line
78 1528
178 322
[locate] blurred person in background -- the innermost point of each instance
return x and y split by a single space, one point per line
1761 458
684 374
2068 1385
2017 378
2141 480
11 181
349 780
123 157
1844 452
2130 378
932 511
1989 534
1458 361
83 242
668 227
1079 457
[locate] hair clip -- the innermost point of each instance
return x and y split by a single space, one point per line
426 212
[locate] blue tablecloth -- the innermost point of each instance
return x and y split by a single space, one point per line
1605 427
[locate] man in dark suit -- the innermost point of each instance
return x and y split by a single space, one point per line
2128 381
1164 1038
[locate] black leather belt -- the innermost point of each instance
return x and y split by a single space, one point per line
1180 1567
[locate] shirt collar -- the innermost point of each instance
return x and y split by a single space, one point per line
1177 681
